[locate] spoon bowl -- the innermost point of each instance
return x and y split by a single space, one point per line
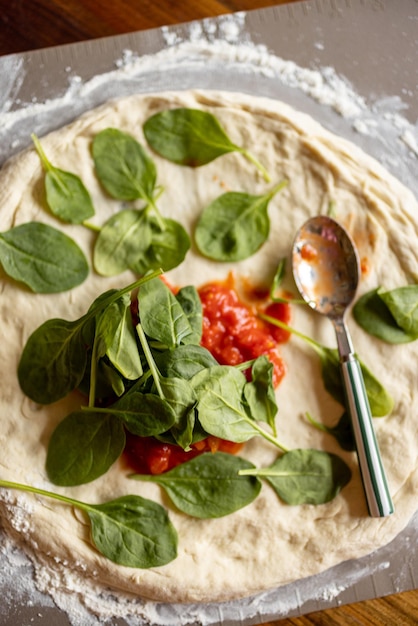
326 271
326 266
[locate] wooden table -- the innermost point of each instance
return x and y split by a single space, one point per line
33 24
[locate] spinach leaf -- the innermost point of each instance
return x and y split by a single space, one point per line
342 431
181 397
135 240
108 383
235 225
220 406
130 530
43 258
66 195
305 476
403 305
331 372
83 447
380 400
122 242
143 414
184 361
117 336
123 167
53 361
191 137
168 248
162 316
373 315
209 485
192 306
259 393
134 532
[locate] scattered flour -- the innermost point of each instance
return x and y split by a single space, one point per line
209 45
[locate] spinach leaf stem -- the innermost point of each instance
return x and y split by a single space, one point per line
276 322
268 437
44 160
91 226
255 162
150 360
42 492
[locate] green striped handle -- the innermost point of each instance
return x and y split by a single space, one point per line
372 472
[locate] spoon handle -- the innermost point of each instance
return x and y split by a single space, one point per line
373 475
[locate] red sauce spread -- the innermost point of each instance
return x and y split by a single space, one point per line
234 333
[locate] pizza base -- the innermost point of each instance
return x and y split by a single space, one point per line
266 544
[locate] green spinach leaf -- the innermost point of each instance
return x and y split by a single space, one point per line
168 248
123 167
306 476
181 397
117 335
162 316
235 225
43 258
403 305
143 414
190 302
259 393
130 530
66 195
184 361
220 406
373 315
191 137
342 431
83 447
122 242
208 486
53 361
108 384
134 532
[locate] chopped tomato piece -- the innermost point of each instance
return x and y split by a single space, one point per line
280 311
233 332
146 455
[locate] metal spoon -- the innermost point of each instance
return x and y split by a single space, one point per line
326 271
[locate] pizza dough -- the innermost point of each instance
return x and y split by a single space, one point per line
267 543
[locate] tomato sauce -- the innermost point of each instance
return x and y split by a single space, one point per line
234 333
146 455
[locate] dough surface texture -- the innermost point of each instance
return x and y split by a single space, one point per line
267 543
